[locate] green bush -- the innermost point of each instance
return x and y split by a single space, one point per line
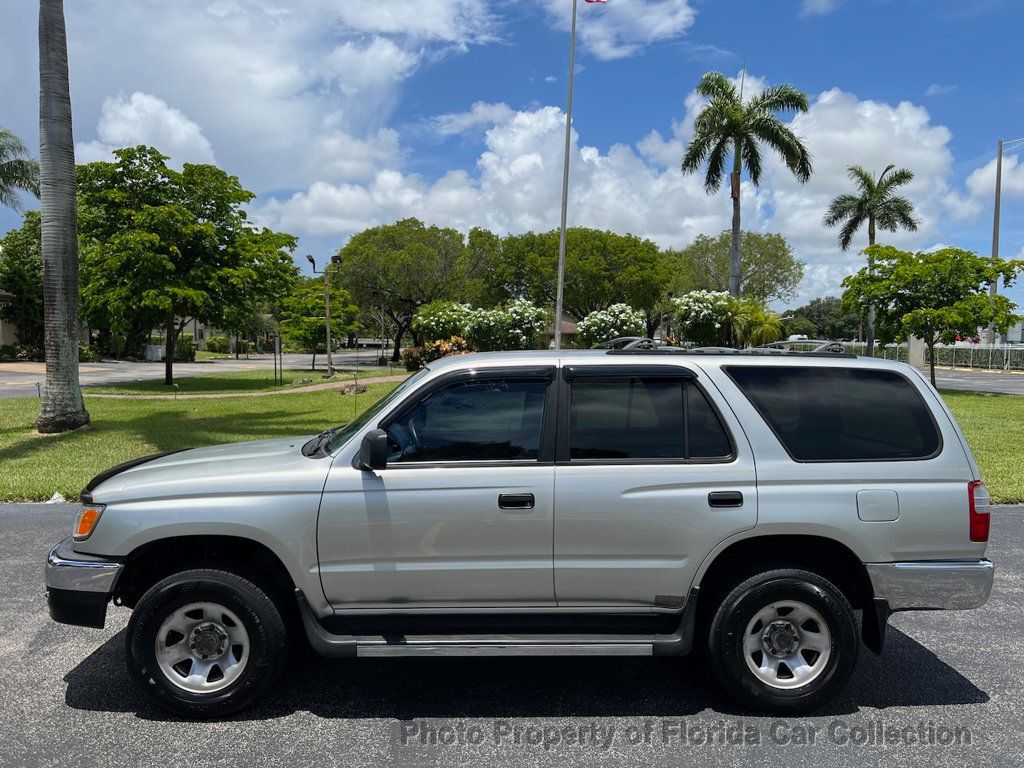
519 325
218 344
28 352
184 352
416 357
8 352
442 320
88 353
618 320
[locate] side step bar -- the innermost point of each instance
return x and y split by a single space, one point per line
327 644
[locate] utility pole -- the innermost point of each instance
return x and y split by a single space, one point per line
327 309
993 286
565 182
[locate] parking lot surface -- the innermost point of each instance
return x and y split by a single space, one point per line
947 692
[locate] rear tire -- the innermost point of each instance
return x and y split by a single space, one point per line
205 643
784 641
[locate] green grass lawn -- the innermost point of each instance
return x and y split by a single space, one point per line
33 466
219 383
994 425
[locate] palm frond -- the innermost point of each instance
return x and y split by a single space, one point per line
697 150
779 98
849 230
751 159
860 176
896 213
896 179
20 174
842 207
715 85
781 138
716 166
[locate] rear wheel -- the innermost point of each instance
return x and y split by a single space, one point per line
784 641
205 643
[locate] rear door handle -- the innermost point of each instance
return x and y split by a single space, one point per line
725 499
515 501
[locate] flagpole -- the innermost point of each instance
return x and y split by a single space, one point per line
565 182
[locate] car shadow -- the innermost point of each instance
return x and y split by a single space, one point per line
907 675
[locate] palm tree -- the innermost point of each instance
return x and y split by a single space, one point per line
62 407
877 204
729 125
18 171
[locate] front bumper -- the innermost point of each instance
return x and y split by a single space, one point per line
79 585
948 585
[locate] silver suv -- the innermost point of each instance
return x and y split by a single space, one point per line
625 502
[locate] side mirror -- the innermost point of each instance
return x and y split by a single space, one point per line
373 451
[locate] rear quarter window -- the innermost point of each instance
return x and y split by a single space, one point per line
841 414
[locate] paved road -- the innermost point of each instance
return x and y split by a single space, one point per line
66 700
20 379
981 381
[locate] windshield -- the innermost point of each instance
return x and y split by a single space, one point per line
344 433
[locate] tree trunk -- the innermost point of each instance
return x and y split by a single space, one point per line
871 307
170 342
734 243
62 407
313 366
931 359
399 332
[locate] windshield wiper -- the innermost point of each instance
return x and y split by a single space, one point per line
316 446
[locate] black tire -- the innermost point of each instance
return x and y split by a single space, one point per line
740 607
260 616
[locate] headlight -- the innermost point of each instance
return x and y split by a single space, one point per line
87 519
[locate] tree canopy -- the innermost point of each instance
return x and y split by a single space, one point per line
768 269
829 318
161 247
21 273
303 315
934 295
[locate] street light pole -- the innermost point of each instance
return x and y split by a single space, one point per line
565 182
327 309
992 288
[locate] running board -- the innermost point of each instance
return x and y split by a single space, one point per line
327 644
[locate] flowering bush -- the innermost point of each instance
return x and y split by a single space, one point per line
416 357
704 317
516 326
617 320
442 320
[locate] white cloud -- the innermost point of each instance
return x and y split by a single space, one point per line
481 114
454 21
818 7
550 79
145 119
935 89
337 155
620 29
981 183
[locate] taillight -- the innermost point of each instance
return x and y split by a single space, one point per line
980 506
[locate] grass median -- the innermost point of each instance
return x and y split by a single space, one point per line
225 382
33 466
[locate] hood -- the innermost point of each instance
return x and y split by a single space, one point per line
261 466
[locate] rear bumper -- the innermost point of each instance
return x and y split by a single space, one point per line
79 585
945 585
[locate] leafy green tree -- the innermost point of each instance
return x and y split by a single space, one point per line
875 204
801 326
303 314
162 247
21 273
730 125
618 320
18 171
934 295
402 266
829 318
768 269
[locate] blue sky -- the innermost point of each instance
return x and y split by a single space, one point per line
345 114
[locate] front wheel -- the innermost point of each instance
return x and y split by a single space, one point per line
784 641
205 643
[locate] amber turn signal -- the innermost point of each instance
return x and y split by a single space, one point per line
87 519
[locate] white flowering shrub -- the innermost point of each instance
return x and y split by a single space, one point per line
442 320
617 320
518 325
704 317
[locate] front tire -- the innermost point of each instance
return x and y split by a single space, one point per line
784 641
205 643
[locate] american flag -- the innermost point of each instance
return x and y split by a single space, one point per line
597 1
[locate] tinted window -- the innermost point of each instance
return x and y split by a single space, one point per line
472 421
638 418
841 414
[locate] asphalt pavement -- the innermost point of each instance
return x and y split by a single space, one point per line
947 692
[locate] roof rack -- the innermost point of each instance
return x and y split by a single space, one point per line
828 350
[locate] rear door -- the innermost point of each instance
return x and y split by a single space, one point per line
650 475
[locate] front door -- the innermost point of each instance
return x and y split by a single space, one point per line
461 517
650 476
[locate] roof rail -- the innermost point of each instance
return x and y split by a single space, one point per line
753 351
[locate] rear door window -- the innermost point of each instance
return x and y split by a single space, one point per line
841 414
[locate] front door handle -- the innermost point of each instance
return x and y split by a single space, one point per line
518 501
725 499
